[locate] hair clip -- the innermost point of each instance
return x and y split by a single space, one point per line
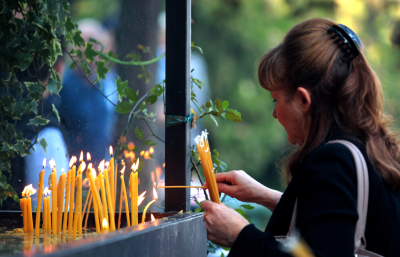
349 37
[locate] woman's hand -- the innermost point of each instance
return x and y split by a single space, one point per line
239 185
223 224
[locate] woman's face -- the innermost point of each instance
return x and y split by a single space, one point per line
291 114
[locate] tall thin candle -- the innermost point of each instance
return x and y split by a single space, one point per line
103 190
54 199
40 195
125 197
95 192
110 200
112 179
148 205
72 195
133 186
61 187
68 182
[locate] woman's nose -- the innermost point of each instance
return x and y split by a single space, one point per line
274 114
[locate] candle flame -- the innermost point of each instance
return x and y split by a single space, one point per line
90 166
111 151
81 157
72 161
52 164
122 171
151 151
82 167
141 153
88 157
46 191
105 224
135 166
44 163
152 217
147 155
155 193
101 166
62 170
107 164
141 198
94 173
28 191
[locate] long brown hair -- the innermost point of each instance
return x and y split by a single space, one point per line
346 94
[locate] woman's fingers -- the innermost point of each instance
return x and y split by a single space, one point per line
226 177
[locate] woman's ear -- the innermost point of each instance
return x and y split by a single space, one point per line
304 95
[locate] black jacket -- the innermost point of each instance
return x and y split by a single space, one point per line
326 188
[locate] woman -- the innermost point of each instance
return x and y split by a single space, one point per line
324 90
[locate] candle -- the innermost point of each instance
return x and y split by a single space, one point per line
53 179
104 225
89 158
27 208
78 207
68 182
125 197
103 190
120 208
148 205
110 199
133 186
112 180
39 202
152 217
24 211
88 209
72 195
61 186
45 209
96 197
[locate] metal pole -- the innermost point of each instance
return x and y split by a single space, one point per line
177 138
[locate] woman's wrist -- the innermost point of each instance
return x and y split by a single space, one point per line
268 198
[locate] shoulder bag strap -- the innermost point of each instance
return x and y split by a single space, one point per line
362 196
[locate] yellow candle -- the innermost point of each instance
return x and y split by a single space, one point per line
54 196
30 221
24 215
110 201
103 190
112 179
150 203
96 217
95 192
125 197
71 196
44 226
68 182
47 214
120 208
39 202
61 186
88 209
89 158
78 208
133 186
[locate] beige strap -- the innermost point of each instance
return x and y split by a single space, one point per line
362 196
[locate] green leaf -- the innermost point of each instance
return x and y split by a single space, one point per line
247 206
139 133
211 249
102 69
33 107
151 99
35 87
198 210
225 104
123 107
69 24
121 87
157 90
77 38
150 142
233 117
241 212
213 118
219 105
35 44
198 82
208 104
65 6
43 144
18 110
90 53
86 67
19 147
24 64
73 64
6 147
54 86
55 50
55 111
38 120
131 94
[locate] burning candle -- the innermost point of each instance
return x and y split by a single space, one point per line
72 194
54 197
125 197
102 190
104 225
68 182
27 208
150 203
152 217
133 186
46 210
96 197
78 207
24 214
110 199
88 196
61 186
112 181
40 195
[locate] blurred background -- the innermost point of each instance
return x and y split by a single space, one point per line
234 34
